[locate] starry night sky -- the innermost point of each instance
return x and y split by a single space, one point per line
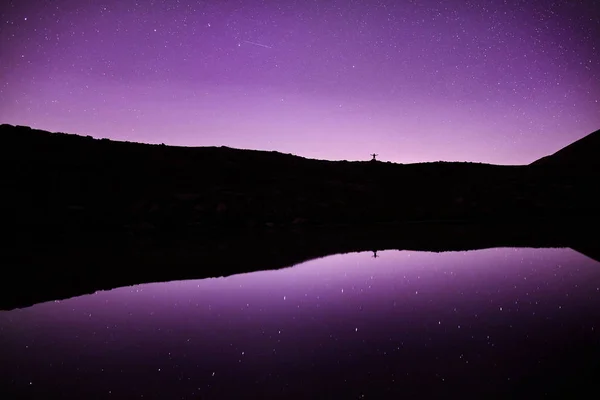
488 81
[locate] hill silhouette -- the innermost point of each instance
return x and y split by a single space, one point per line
64 184
84 214
584 153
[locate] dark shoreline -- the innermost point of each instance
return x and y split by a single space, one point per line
66 266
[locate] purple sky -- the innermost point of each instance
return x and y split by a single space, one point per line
493 81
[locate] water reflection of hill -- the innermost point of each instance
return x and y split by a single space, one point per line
58 268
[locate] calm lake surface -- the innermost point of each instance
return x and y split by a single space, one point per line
493 322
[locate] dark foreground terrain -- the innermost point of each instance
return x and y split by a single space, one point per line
83 214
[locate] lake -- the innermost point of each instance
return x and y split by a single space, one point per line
496 322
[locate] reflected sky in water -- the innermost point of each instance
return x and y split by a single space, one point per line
489 322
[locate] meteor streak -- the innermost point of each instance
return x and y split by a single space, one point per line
257 44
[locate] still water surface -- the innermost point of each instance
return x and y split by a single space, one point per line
491 322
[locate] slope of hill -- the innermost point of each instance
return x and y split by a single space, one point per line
583 153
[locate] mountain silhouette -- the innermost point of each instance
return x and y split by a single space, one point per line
63 183
585 152
83 214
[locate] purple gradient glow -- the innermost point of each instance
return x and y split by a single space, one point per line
346 325
501 82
